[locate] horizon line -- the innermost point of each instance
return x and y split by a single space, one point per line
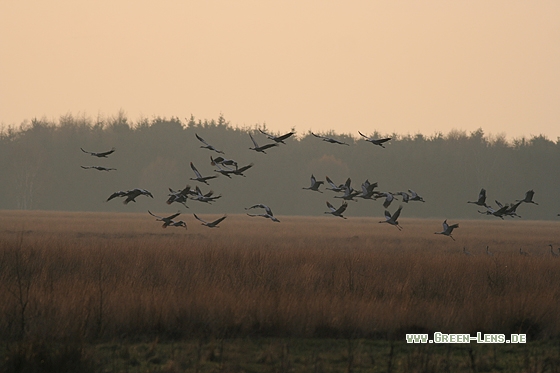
142 119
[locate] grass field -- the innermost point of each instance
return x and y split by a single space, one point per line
94 278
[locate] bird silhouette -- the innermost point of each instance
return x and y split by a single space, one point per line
349 193
277 138
447 229
528 197
497 213
207 146
180 196
405 196
226 171
207 198
414 196
367 190
199 177
130 195
213 224
337 211
481 199
268 213
389 197
339 188
261 149
99 155
223 161
392 219
314 184
510 209
99 168
330 139
239 171
168 221
374 140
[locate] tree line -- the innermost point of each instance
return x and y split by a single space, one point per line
40 164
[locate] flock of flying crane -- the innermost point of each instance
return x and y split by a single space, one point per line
229 167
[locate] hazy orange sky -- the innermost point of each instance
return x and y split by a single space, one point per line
393 66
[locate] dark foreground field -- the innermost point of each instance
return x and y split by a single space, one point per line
306 294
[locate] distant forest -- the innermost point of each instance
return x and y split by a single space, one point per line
40 167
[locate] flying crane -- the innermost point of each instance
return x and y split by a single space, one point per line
448 229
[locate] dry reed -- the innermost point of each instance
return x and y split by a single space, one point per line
98 276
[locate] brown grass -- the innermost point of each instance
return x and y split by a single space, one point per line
98 275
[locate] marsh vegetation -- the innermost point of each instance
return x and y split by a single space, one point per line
97 276
83 291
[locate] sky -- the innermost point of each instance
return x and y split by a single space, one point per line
404 67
